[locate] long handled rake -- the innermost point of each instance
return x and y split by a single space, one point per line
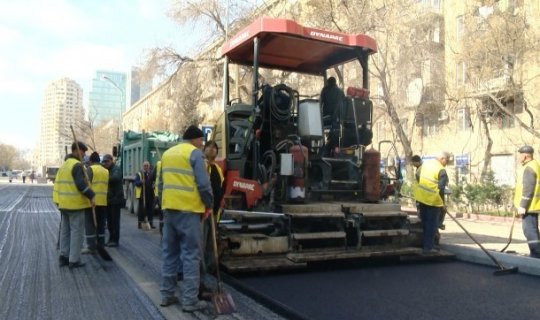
510 235
502 269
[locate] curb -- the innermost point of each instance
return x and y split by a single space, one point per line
525 264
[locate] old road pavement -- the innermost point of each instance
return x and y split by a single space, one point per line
32 286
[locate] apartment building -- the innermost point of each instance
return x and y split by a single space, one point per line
62 106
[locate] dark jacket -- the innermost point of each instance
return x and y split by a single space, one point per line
115 194
80 179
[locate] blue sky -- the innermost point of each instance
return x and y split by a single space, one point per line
41 41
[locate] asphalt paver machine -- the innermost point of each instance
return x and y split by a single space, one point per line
302 186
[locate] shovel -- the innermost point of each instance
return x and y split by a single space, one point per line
223 302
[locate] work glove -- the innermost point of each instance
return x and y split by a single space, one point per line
521 211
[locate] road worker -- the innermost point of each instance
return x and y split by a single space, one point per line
115 200
75 196
527 197
429 193
186 199
416 162
99 180
144 192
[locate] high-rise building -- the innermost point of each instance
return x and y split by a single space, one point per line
62 106
107 98
138 87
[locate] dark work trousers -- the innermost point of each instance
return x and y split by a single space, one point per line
92 232
430 223
113 222
442 215
530 230
147 211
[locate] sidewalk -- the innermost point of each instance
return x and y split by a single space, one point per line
493 235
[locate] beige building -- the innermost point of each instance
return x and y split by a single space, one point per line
474 91
62 107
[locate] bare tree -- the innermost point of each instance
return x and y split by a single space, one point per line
183 71
497 44
12 158
8 155
404 70
186 93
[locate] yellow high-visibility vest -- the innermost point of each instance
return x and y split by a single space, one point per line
220 172
158 174
69 197
180 190
518 194
426 191
100 183
138 189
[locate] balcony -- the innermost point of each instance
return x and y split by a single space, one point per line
479 87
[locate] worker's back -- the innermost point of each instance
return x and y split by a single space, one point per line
332 99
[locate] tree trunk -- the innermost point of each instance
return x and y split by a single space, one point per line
487 152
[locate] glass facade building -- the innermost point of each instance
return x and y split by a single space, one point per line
107 98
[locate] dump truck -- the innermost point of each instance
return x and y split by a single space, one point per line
135 148
299 187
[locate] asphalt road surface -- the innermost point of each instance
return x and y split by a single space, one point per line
443 290
32 286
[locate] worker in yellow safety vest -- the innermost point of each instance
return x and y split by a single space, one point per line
527 197
186 199
429 193
75 197
144 192
99 180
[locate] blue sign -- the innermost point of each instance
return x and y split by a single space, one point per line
207 132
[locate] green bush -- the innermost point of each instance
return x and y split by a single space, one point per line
487 195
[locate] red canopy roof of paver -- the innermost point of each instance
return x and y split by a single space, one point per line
286 45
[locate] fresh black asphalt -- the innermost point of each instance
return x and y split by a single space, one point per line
450 290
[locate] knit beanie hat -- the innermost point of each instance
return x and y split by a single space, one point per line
192 133
94 157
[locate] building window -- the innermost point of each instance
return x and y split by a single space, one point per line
459 27
461 75
429 126
463 119
436 4
503 121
